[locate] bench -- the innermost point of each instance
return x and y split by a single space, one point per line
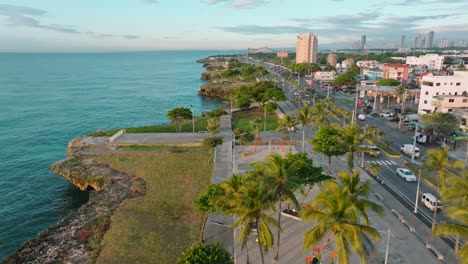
395 212
411 229
435 251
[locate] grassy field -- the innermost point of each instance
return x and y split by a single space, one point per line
200 125
158 227
242 119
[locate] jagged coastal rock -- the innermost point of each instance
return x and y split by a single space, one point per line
76 238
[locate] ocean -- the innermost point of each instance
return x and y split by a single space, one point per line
46 100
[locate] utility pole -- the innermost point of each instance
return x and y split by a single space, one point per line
414 142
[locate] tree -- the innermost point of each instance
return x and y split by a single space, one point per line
333 212
373 169
256 125
455 198
270 107
461 68
286 124
251 205
303 68
387 82
354 70
205 203
307 174
357 192
281 182
352 140
243 136
217 113
326 140
304 117
441 124
400 93
319 115
206 254
437 160
329 68
178 115
344 79
213 125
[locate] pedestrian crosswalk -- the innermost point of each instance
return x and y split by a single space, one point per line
383 162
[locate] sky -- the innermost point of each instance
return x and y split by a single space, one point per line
134 25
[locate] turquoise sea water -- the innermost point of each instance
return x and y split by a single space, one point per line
48 99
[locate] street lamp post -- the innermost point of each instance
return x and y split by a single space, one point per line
355 106
414 142
193 120
417 192
362 152
386 249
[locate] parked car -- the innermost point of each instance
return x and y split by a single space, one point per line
406 174
386 114
361 117
408 150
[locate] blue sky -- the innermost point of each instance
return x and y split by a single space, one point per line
121 25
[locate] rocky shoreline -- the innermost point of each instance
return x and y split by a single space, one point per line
76 238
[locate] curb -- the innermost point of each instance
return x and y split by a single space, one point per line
390 155
429 183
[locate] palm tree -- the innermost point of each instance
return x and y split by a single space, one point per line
251 206
333 212
319 117
455 196
437 160
286 123
280 182
304 117
357 191
400 93
256 125
352 140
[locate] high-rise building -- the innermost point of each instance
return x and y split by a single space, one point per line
419 41
402 42
306 49
429 39
444 43
332 59
363 42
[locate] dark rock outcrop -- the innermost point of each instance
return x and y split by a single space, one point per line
76 238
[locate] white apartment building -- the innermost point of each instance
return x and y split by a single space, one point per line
433 86
370 64
432 61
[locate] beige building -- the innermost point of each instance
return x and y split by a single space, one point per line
447 103
347 63
306 49
332 59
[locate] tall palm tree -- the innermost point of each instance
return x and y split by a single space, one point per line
319 116
256 125
252 206
400 93
437 160
352 140
280 183
334 213
286 123
357 192
455 197
304 117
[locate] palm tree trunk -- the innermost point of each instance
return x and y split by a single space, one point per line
329 165
259 242
303 139
457 240
279 231
305 195
203 228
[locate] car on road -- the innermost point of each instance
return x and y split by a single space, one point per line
386 114
431 202
406 174
361 117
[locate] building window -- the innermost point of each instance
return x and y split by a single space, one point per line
426 93
428 83
456 93
451 83
437 84
425 101
437 93
449 110
465 100
450 93
451 100
457 84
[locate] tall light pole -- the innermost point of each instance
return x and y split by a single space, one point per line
355 106
414 142
417 189
362 152
386 249
193 120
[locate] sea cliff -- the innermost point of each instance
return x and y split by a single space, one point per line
76 238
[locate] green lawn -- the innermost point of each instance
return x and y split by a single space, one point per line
242 119
200 125
162 224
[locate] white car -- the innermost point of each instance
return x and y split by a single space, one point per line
406 174
386 114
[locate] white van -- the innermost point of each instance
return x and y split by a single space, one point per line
408 150
430 201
